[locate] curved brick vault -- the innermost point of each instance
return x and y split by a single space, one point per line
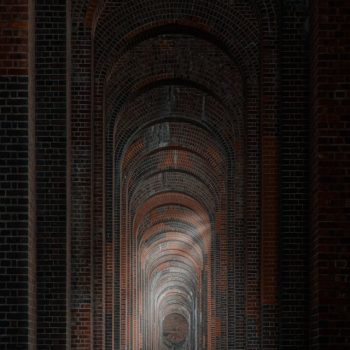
168 178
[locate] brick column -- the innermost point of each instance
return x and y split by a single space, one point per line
294 171
269 188
51 172
17 190
252 219
81 260
98 227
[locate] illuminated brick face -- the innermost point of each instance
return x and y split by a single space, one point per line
174 175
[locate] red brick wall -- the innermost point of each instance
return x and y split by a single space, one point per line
219 127
14 38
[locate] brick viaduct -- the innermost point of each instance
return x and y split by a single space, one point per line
175 174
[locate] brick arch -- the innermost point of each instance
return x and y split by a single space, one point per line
175 272
168 228
176 303
174 242
91 11
177 182
174 159
163 217
175 213
151 106
178 226
172 300
205 17
168 282
172 133
173 295
170 290
210 311
232 112
171 262
175 237
176 219
165 174
175 58
212 330
139 156
184 199
174 262
182 222
188 205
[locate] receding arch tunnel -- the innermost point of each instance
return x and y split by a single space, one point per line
179 95
184 118
169 197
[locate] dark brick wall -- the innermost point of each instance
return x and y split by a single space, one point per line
294 170
51 173
269 211
14 235
98 229
17 278
330 182
81 258
252 222
14 37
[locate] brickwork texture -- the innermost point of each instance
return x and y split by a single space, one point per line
174 175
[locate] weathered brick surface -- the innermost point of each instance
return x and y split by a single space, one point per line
169 182
294 177
51 173
81 151
14 37
330 187
167 161
270 146
14 235
17 247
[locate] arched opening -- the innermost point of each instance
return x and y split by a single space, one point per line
168 209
